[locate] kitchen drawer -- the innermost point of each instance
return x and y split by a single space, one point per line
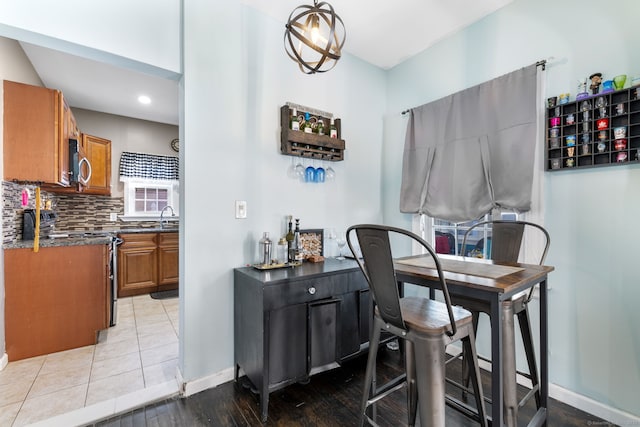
134 240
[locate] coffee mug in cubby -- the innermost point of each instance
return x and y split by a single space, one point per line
602 124
620 132
554 142
620 108
555 163
621 157
571 119
586 138
602 135
602 147
554 133
571 151
586 149
571 140
554 122
620 144
570 162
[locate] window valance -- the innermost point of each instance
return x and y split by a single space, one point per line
149 166
472 151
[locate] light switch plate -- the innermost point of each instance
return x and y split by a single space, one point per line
113 216
241 209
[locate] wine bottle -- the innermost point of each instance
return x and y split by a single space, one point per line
333 131
307 123
297 244
289 238
320 127
295 124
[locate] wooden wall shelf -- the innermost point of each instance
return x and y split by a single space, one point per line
310 145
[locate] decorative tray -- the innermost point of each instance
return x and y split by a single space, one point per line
274 266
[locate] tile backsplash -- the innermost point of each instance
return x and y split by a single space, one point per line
74 211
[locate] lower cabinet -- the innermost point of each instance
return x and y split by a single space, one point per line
147 262
55 299
292 323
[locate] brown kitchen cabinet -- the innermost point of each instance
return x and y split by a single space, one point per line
98 152
37 126
56 299
147 262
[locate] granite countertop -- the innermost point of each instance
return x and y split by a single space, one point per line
85 237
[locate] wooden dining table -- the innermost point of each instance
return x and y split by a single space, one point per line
493 283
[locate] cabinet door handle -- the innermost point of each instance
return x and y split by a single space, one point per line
312 290
81 178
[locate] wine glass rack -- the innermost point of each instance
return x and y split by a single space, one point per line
310 145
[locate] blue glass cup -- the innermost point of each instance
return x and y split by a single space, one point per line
320 174
310 174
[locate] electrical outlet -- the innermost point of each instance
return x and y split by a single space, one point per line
113 216
241 209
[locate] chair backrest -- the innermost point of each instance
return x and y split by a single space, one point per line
378 269
506 239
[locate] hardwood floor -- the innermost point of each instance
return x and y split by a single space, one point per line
329 399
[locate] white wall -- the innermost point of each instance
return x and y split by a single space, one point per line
590 214
143 34
236 77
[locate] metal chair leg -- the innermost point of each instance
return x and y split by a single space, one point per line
525 330
469 345
430 374
412 392
466 375
510 398
369 380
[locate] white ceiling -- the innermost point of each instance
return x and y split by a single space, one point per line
381 32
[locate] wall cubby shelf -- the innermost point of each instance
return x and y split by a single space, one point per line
601 130
310 145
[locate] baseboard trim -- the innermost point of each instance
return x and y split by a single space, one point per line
571 398
4 361
189 388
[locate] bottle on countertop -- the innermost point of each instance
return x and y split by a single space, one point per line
265 248
289 238
297 244
333 131
295 124
282 251
307 123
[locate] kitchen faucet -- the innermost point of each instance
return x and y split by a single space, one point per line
162 215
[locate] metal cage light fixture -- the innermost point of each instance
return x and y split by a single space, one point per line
314 37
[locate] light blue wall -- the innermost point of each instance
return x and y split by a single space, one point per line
236 77
591 214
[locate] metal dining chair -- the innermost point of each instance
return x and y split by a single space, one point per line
426 326
505 244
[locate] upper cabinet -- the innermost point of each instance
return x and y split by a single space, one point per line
37 126
98 152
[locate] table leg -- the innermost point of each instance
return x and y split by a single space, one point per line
496 363
544 349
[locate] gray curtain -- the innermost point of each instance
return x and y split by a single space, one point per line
472 151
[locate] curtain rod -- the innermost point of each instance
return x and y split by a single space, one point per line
542 62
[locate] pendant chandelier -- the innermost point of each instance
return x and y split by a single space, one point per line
314 37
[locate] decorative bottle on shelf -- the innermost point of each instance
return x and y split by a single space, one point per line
289 238
307 123
295 124
333 132
297 244
320 127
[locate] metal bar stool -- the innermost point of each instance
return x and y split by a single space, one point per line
505 243
426 326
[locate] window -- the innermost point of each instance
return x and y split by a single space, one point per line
447 237
145 198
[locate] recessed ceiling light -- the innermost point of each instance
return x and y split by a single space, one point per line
144 99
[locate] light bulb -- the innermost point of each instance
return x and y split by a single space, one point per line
315 29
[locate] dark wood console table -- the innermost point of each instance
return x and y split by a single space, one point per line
292 323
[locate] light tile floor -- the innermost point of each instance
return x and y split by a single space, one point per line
140 352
